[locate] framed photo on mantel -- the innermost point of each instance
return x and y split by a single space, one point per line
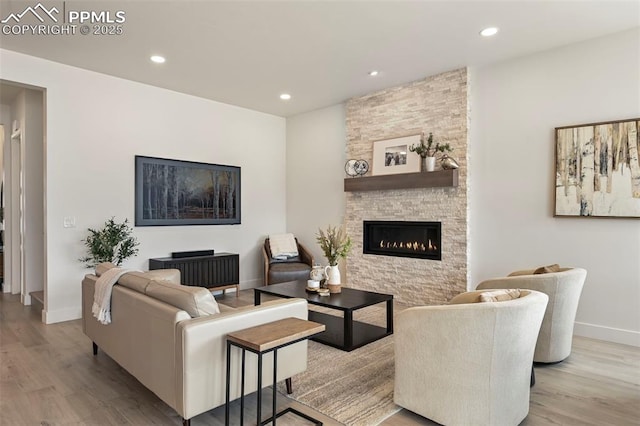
392 156
598 170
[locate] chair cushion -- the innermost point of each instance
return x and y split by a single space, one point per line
295 259
283 246
288 271
196 301
547 269
499 295
272 260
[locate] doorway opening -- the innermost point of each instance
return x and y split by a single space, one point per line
22 198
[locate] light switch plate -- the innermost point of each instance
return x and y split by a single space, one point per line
69 222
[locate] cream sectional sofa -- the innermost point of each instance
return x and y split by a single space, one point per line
161 333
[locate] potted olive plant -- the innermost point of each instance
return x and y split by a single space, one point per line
427 151
113 243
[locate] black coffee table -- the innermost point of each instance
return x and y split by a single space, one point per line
341 332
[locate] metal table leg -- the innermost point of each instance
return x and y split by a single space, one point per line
390 316
244 354
227 391
348 330
275 380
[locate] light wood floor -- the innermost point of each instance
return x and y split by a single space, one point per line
48 376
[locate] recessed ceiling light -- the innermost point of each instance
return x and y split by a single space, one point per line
158 59
285 96
373 73
488 32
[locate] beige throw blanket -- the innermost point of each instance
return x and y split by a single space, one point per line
283 246
101 308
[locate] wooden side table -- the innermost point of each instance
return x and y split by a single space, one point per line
260 340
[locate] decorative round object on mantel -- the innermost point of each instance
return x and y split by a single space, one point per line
356 167
362 167
448 163
350 168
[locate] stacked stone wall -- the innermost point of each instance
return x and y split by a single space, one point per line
437 104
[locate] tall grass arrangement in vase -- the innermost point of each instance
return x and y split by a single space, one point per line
335 243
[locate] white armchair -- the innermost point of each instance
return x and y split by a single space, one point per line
468 363
564 289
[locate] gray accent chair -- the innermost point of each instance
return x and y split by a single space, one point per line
279 271
563 288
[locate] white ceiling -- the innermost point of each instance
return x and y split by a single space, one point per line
246 53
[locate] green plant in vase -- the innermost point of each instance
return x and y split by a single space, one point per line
114 243
427 150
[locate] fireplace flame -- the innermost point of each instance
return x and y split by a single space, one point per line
410 245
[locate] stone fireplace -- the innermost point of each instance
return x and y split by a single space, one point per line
437 104
420 240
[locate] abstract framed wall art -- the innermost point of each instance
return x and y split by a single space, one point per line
174 192
598 170
392 156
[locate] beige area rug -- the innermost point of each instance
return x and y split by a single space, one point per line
354 388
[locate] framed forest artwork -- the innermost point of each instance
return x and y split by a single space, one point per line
597 170
174 192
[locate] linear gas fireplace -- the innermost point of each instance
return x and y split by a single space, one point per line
403 239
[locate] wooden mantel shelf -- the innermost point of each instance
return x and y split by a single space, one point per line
440 178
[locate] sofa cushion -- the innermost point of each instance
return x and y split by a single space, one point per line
499 295
226 308
139 281
196 301
136 280
547 269
101 268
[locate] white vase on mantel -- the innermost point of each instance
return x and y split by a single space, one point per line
428 164
333 278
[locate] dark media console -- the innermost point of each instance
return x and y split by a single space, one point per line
219 271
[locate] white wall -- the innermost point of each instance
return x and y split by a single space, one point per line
96 124
32 144
515 107
315 174
15 183
5 120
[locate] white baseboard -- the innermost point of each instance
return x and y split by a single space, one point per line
25 299
609 334
61 315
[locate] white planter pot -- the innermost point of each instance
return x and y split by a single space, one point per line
333 274
429 164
